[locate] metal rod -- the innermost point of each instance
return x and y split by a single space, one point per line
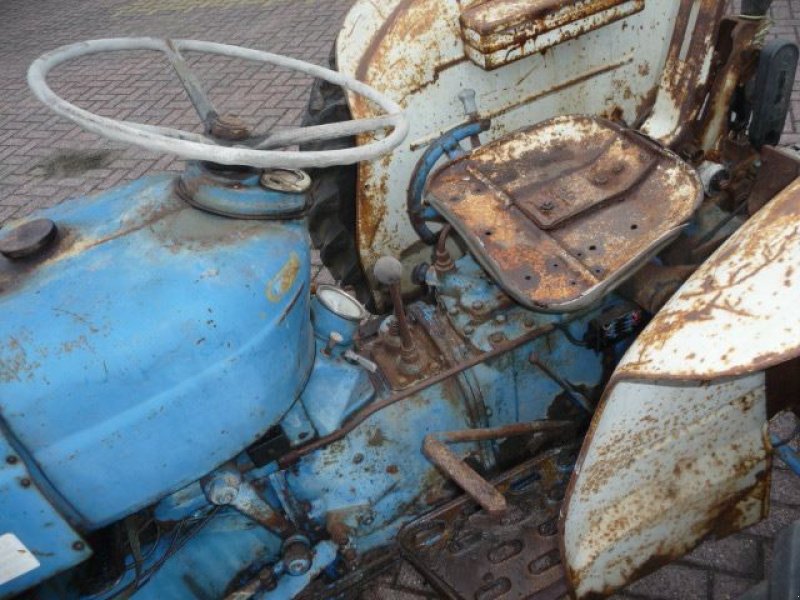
293 456
480 490
402 321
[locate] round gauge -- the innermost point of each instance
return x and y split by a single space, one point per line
341 303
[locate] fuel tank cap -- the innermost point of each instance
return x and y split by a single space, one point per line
28 239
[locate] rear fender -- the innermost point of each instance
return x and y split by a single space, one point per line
678 449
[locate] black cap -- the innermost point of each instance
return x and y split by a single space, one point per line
28 239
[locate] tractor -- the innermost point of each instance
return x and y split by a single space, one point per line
564 244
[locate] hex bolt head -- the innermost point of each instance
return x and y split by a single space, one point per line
297 556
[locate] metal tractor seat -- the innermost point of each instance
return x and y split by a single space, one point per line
562 212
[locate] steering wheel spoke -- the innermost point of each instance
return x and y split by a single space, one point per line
330 131
199 98
177 134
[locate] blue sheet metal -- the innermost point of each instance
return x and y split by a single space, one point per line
28 515
156 342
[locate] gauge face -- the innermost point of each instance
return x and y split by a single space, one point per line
341 303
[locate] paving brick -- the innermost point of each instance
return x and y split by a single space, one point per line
737 554
779 517
728 587
674 582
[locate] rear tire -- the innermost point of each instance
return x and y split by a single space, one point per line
332 214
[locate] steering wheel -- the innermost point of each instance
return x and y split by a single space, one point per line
234 147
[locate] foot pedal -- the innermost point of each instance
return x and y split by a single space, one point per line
468 555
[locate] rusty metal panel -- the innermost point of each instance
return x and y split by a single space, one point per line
497 32
663 466
562 212
413 51
678 449
738 313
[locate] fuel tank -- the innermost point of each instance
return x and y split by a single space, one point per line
148 343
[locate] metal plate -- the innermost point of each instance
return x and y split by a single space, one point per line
465 553
497 32
564 211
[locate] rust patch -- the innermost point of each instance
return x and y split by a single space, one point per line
283 281
729 289
557 210
779 168
497 32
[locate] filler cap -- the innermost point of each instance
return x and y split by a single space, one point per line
28 239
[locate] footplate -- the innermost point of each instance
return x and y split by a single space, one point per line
467 554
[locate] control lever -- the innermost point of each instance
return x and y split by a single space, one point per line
388 271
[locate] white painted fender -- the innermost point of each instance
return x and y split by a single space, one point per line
678 448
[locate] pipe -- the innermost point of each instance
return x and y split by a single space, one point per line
446 144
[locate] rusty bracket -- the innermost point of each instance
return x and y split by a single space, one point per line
484 493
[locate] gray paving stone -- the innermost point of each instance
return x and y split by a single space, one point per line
728 587
737 554
674 582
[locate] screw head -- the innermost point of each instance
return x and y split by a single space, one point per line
78 546
11 459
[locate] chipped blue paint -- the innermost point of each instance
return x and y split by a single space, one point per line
148 348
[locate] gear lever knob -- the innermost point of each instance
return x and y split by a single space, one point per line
388 270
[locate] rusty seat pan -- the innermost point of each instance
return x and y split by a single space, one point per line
564 211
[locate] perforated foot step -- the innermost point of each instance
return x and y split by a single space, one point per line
468 555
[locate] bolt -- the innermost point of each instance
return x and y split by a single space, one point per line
497 337
368 520
78 546
528 323
222 488
477 305
547 206
358 459
25 482
11 459
297 556
600 179
618 168
500 319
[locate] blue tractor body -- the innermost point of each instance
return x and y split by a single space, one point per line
155 341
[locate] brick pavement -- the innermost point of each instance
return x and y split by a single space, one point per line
44 159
